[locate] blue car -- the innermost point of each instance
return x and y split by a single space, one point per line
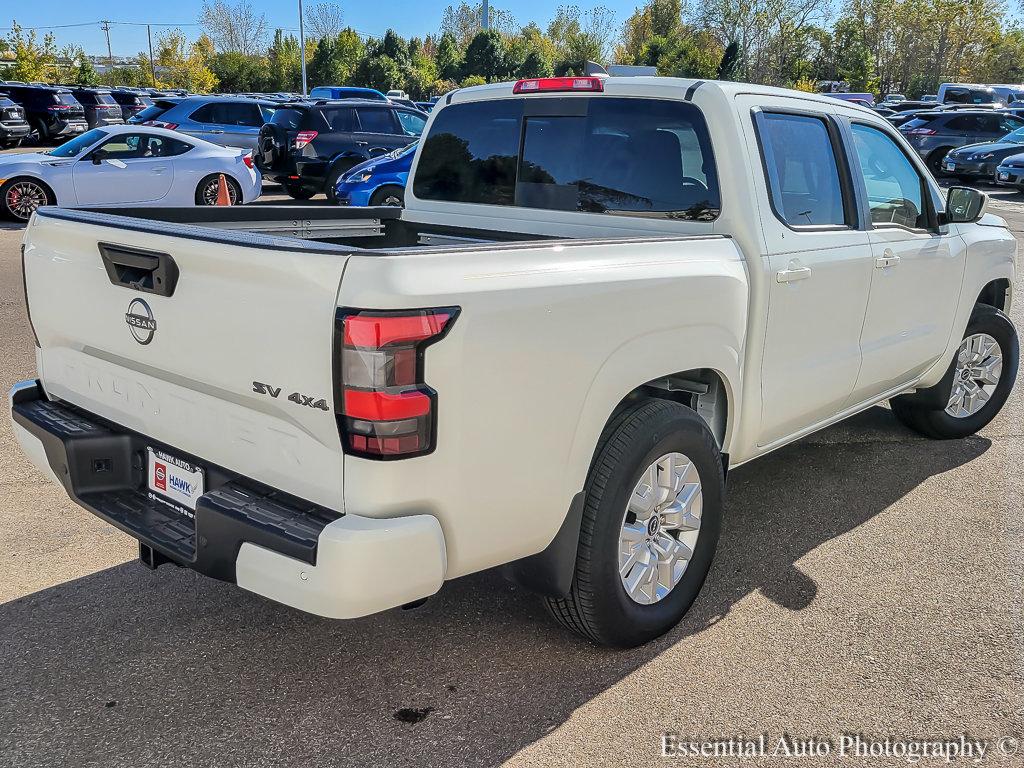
378 181
346 92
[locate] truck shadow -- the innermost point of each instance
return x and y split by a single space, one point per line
130 668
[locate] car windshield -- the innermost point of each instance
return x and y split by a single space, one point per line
1014 137
77 145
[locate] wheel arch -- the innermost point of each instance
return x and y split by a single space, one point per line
997 293
37 179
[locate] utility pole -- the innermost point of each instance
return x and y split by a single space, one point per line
302 49
152 66
487 16
105 26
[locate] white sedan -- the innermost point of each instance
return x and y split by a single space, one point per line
126 165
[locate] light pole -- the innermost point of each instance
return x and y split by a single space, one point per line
302 49
487 16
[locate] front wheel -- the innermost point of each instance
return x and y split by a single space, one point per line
389 196
19 198
208 189
975 386
651 521
935 161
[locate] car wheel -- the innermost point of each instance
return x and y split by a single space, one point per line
13 144
935 161
389 196
975 386
20 197
299 193
331 182
651 520
206 192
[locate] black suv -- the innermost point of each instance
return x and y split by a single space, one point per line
307 146
53 113
100 106
13 125
131 102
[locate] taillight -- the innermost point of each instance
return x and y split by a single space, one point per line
541 84
920 132
385 409
247 159
59 107
161 124
303 138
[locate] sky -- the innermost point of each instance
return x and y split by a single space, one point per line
407 17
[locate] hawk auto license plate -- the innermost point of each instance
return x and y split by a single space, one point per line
174 482
1004 176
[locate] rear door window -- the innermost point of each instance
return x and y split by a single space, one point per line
342 119
372 120
802 169
611 155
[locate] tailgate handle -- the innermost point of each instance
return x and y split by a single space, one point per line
140 270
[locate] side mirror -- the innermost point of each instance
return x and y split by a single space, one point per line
97 156
964 205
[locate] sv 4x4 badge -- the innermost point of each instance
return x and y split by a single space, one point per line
309 401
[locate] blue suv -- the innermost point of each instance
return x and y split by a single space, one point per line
379 181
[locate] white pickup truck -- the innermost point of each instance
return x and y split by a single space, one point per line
601 294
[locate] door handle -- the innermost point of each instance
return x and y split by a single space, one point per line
362 143
216 130
792 275
887 259
160 169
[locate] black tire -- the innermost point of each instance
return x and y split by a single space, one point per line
925 411
334 174
8 203
299 193
935 161
598 606
390 195
203 190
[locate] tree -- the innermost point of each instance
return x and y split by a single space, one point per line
335 59
579 37
464 21
378 72
323 20
34 59
185 65
449 58
237 72
283 63
730 62
485 56
235 28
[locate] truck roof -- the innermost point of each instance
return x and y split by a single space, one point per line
663 87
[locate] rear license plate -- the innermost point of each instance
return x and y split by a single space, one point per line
950 166
1004 176
174 482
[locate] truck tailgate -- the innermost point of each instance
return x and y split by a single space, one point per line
207 370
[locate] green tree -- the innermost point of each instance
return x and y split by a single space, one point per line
486 56
730 62
449 58
34 58
283 66
239 72
378 72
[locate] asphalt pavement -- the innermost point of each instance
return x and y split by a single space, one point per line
868 581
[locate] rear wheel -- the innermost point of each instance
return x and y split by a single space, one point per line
392 195
20 197
299 193
935 161
975 386
650 526
206 192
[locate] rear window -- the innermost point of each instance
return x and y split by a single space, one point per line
616 155
153 112
289 119
65 98
916 122
376 120
104 98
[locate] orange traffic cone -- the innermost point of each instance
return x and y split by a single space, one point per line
223 198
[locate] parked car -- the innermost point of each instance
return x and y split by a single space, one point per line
900 118
979 161
1010 172
155 110
131 102
13 125
306 147
346 92
863 99
101 108
378 181
125 166
967 93
893 98
52 113
228 121
930 97
909 105
935 134
546 362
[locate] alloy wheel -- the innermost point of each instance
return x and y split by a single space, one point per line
23 198
979 366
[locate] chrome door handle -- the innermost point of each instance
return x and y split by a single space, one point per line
792 275
887 259
216 130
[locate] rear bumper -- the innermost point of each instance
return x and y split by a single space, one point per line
9 131
270 543
973 168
